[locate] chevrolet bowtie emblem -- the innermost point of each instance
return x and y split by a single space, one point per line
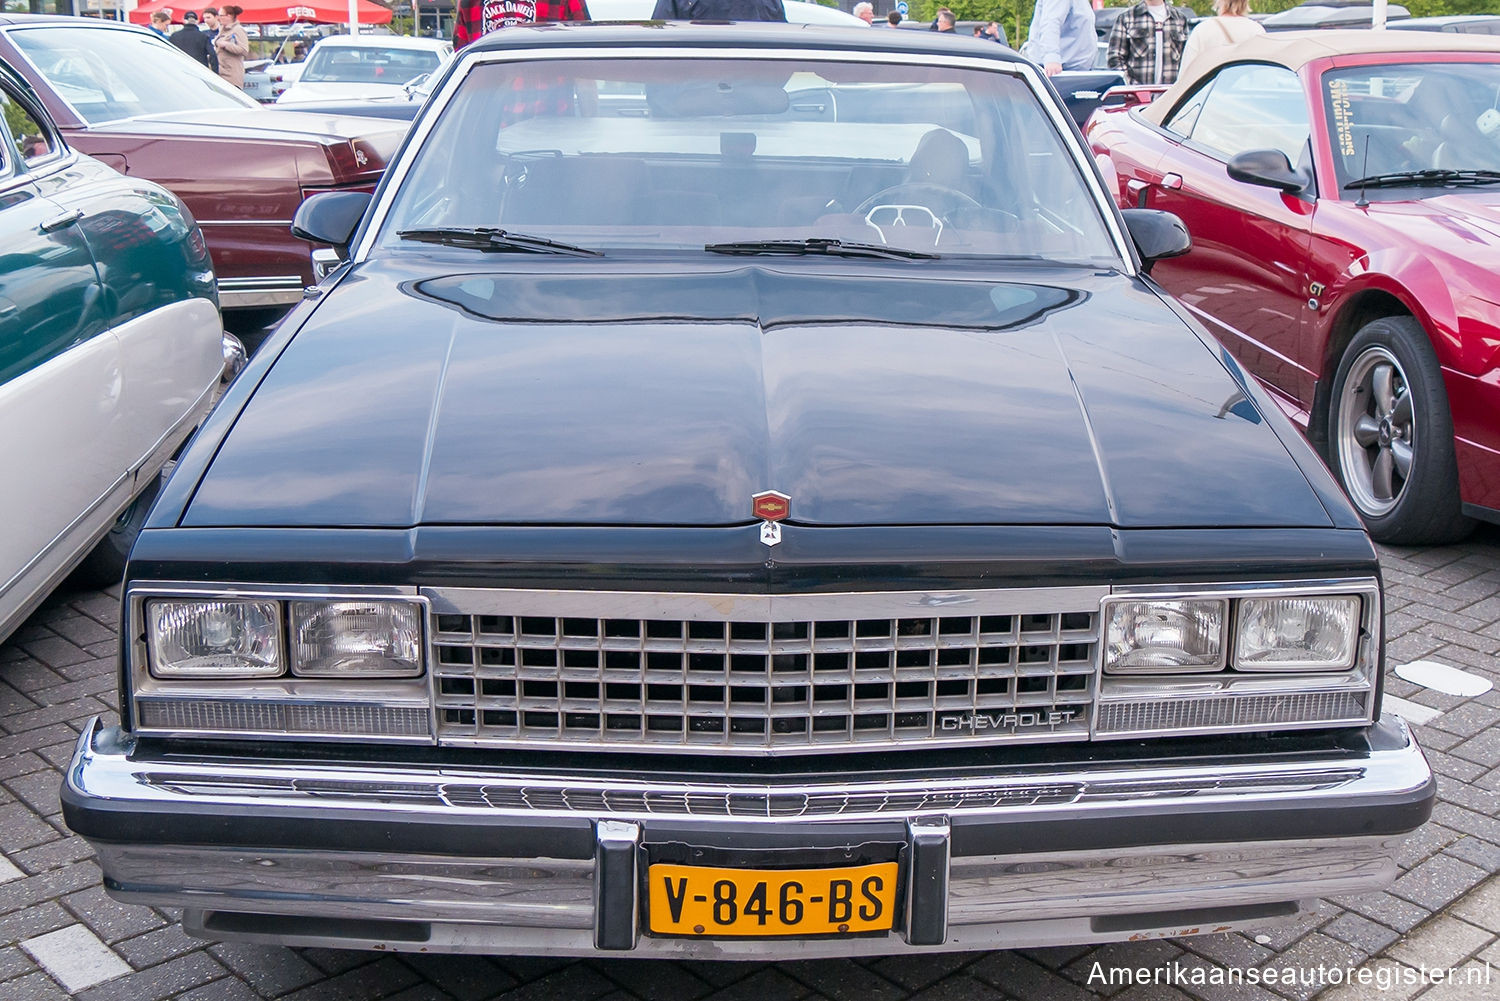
770 507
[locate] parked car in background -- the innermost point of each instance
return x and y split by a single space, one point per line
110 350
1342 191
1322 16
720 513
136 102
1460 24
356 67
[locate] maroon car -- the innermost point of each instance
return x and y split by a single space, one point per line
123 95
1342 190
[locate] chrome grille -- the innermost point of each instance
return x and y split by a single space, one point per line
761 674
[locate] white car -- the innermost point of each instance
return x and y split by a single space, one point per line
346 67
797 12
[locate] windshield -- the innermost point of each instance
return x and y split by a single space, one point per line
105 74
1410 118
681 153
367 64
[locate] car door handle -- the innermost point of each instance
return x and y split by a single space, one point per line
1171 182
1138 190
62 222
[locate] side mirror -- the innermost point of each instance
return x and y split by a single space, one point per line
331 217
1157 234
1268 168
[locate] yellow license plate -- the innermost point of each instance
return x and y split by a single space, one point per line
698 900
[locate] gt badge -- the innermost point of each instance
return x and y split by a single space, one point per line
770 507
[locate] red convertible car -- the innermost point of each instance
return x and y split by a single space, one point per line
1342 190
123 95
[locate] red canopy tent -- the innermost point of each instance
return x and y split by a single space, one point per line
273 12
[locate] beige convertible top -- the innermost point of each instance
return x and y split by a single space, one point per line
1295 49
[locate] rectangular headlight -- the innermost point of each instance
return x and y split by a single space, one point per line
1166 637
363 639
1297 633
214 639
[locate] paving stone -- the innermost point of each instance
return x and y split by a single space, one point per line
110 919
14 963
227 989
53 855
1475 852
20 828
1447 766
959 987
1438 881
1307 961
158 946
670 982
1386 982
837 981
54 651
1359 931
1482 748
1428 840
33 921
1208 981
170 978
81 631
373 980
1152 992
767 983
1119 956
916 972
577 982
269 969
1443 941
1481 907
1057 957
37 987
47 885
1018 976
75 958
337 960
1228 949
427 992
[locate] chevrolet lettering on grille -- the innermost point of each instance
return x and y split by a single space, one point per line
1009 721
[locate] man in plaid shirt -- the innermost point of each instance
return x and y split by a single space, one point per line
1146 42
477 18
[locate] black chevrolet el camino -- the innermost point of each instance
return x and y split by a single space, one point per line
725 505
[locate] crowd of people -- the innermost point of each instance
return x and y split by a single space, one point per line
221 45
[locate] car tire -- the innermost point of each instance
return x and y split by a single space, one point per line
105 564
1390 436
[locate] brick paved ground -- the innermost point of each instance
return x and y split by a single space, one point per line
60 936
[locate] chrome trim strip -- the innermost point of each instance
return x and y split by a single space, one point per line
261 786
1066 131
710 607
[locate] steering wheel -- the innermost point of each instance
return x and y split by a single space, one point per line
915 205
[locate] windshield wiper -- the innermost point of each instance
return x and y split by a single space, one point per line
1425 177
820 245
494 239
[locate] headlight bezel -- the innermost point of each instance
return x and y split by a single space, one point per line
399 707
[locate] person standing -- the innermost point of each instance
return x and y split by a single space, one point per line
194 42
946 20
1233 24
996 33
211 23
893 19
160 22
476 18
232 45
865 12
1062 36
1146 42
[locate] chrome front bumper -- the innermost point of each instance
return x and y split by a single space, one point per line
468 860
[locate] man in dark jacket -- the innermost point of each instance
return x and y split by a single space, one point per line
194 42
718 10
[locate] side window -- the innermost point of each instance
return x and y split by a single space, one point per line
33 140
1253 106
1186 116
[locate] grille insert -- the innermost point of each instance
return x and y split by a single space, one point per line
691 681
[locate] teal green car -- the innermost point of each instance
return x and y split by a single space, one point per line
110 351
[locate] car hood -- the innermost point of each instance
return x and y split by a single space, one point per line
1466 225
263 123
604 395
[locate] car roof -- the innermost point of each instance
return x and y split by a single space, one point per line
384 42
741 35
1295 49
